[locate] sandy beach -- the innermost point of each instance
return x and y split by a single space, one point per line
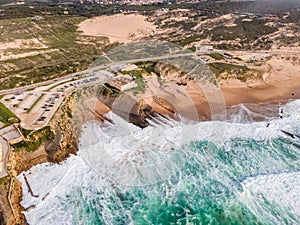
125 27
282 82
200 102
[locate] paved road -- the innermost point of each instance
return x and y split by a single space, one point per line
286 52
5 150
22 89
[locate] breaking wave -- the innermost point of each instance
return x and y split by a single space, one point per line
181 173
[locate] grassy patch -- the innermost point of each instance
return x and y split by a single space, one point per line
258 64
193 49
216 56
147 66
6 116
35 103
220 68
56 85
139 78
25 131
69 51
4 180
246 31
190 40
35 139
30 89
140 83
109 90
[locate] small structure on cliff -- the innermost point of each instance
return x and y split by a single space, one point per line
11 134
129 67
204 48
123 83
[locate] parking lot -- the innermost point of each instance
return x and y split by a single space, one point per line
35 108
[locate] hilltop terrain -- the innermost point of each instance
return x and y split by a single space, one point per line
251 54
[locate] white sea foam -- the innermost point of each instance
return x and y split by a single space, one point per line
282 190
128 154
292 108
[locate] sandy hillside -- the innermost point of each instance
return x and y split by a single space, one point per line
22 43
119 27
7 48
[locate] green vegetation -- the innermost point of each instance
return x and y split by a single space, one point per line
139 78
35 103
35 139
6 116
108 90
140 83
4 180
193 49
89 9
30 89
144 64
251 26
238 58
246 31
67 51
147 66
25 131
64 82
217 56
220 68
189 40
258 64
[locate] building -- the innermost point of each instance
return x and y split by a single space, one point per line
204 48
128 86
11 134
252 57
37 18
123 83
129 67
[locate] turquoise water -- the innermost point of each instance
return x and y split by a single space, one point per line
206 188
239 172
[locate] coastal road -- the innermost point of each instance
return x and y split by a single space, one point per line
168 56
93 69
4 143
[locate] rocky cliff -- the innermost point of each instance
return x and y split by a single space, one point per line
54 150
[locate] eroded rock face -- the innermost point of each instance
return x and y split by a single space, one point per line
124 106
57 150
65 142
135 110
168 71
2 221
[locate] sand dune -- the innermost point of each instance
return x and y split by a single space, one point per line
119 27
22 43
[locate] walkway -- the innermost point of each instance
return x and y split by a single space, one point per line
5 151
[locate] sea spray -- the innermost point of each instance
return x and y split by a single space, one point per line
248 175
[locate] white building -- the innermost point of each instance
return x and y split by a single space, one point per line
128 86
129 67
204 48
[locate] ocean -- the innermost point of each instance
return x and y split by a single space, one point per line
244 170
